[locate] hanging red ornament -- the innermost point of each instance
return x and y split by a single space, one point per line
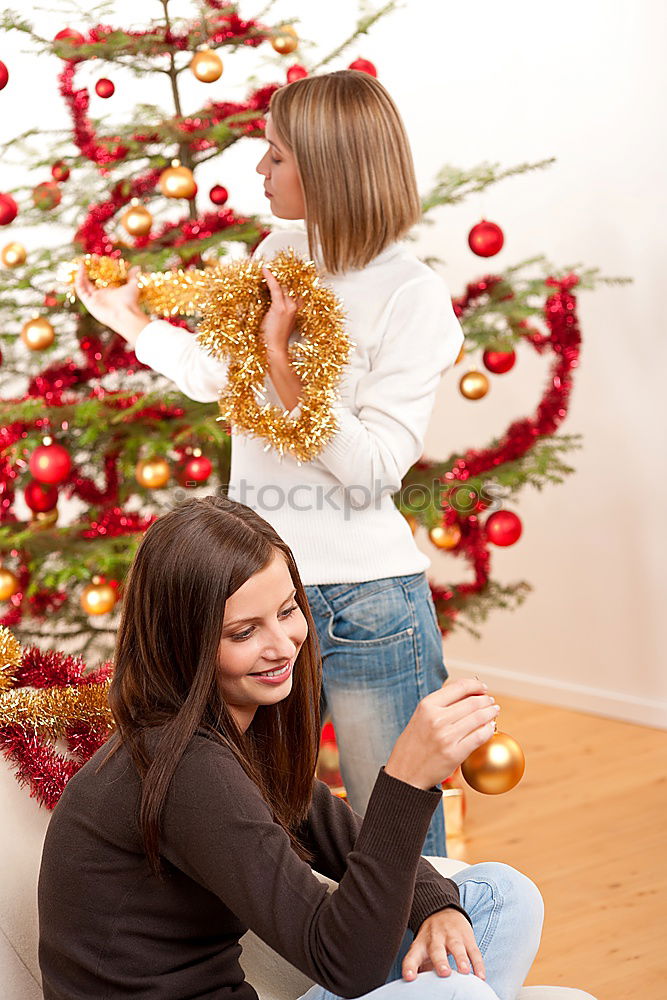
8 209
195 471
285 40
364 66
105 88
40 497
296 72
50 300
4 75
46 195
60 171
495 767
218 194
50 462
503 528
486 239
69 35
499 362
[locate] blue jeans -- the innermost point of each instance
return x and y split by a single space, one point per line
381 654
506 911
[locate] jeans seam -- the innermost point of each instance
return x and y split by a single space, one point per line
498 902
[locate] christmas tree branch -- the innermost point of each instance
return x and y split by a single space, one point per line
453 184
362 28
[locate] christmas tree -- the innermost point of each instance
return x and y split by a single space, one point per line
87 429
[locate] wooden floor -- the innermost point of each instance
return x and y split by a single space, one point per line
588 823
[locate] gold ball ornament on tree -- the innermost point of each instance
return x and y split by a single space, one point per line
445 536
13 255
495 767
9 584
177 181
285 40
474 385
206 65
153 473
98 597
37 334
137 220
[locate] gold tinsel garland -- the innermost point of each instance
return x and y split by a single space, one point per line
231 300
10 658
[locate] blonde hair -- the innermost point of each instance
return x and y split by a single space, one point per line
355 164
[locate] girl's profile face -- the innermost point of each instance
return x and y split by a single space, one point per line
282 184
262 633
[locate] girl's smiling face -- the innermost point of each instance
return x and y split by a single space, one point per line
262 633
282 184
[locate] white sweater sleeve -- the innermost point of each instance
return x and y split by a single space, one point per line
373 449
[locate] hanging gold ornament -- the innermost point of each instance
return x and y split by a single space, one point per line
461 355
37 334
137 220
152 473
9 584
496 766
445 536
41 520
285 40
13 255
97 598
206 65
177 181
474 385
11 655
232 300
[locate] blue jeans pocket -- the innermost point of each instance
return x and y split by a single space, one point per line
369 614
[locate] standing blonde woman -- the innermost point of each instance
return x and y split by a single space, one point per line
338 157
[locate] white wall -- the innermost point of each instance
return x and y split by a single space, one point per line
585 82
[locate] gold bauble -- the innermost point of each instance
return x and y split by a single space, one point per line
285 41
445 536
206 66
37 334
137 220
474 385
177 182
98 598
461 355
43 519
9 584
496 766
13 255
152 473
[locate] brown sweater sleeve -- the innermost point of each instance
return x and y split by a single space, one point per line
330 835
219 831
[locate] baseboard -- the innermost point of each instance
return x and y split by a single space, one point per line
549 691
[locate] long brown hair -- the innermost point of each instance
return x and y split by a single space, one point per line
166 662
354 161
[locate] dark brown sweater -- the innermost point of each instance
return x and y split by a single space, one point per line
109 928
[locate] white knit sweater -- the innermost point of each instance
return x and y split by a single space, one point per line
336 512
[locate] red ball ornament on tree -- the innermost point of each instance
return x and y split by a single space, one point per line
486 239
218 194
503 528
363 66
69 35
50 462
50 300
105 88
195 471
40 497
4 76
8 209
296 72
499 362
60 171
47 195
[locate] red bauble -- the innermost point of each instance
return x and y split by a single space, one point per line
50 463
4 76
8 209
40 497
296 72
364 66
195 471
60 171
104 88
218 194
50 300
47 195
499 362
503 528
486 239
69 35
